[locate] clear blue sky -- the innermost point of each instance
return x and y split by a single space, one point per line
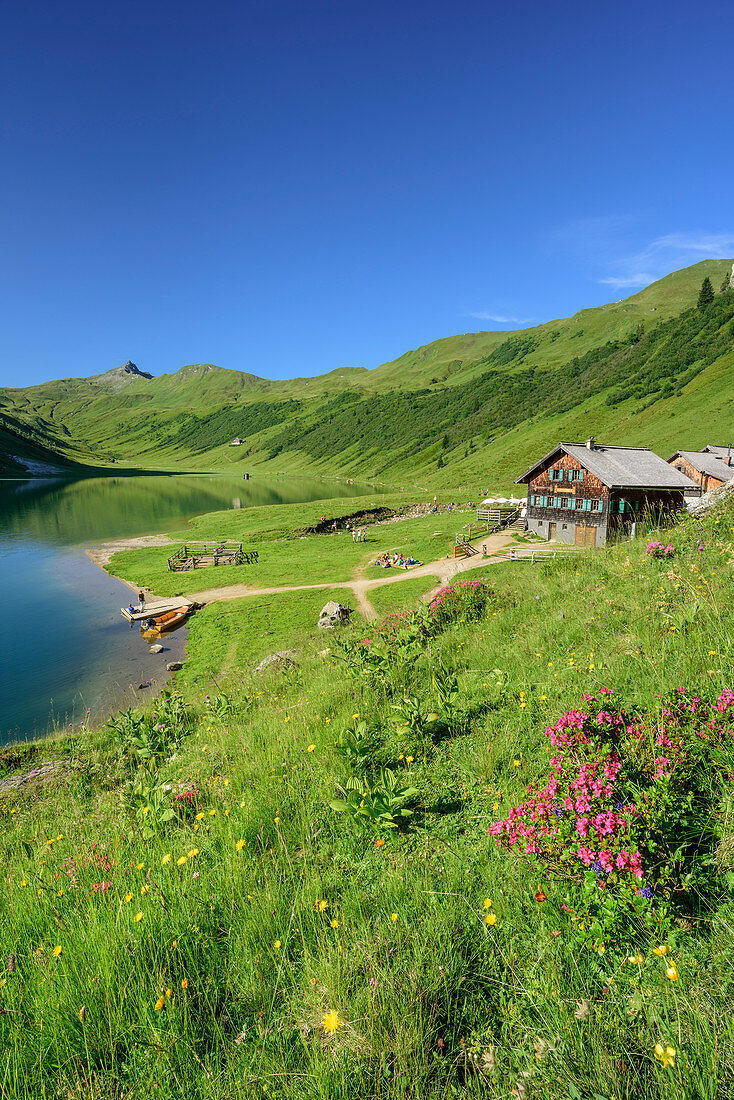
291 186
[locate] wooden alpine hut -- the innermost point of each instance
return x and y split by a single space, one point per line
585 493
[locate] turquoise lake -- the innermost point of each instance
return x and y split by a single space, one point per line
64 647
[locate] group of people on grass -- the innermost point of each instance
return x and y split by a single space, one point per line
396 561
358 534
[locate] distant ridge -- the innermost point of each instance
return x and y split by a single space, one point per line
653 369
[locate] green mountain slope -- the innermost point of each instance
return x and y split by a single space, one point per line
650 369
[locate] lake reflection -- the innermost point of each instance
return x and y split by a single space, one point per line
64 645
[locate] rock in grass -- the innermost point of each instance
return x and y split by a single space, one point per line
283 658
174 666
332 614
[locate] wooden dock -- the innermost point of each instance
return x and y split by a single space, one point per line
153 609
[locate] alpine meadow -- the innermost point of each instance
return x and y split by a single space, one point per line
472 835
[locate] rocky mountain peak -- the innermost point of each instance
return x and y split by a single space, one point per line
130 368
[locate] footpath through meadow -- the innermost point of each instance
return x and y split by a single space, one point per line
444 570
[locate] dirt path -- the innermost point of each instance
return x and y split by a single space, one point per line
445 569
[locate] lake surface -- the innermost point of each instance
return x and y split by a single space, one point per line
65 649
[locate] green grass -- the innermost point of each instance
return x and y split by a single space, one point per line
228 639
432 1001
284 554
402 595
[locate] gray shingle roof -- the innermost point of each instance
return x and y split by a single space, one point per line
706 463
722 452
620 467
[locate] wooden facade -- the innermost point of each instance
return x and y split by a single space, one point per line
573 504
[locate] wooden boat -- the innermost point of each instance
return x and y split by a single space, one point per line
168 621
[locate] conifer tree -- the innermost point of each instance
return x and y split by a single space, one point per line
725 283
705 294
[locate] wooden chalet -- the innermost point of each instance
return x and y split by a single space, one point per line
710 467
586 493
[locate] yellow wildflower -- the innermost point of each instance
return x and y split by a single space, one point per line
181 860
138 917
331 1021
393 916
144 889
666 1055
159 1003
672 973
310 748
491 918
128 897
57 951
166 858
192 853
334 924
487 903
323 905
662 949
239 845
276 945
184 983
139 866
199 817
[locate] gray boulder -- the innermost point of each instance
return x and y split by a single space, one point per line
157 648
332 614
174 666
284 658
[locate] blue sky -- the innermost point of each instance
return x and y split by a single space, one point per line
288 187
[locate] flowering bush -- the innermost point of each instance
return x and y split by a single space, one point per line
659 550
629 800
465 600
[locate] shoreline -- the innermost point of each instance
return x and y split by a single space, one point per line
102 553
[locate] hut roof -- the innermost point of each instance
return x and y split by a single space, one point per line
619 467
706 463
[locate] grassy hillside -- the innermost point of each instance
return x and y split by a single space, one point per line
449 412
189 909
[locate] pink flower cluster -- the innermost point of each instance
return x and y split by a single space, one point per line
610 781
462 600
579 801
725 701
189 797
659 550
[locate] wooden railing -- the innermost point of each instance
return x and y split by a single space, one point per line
195 555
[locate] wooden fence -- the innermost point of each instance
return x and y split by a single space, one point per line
196 555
